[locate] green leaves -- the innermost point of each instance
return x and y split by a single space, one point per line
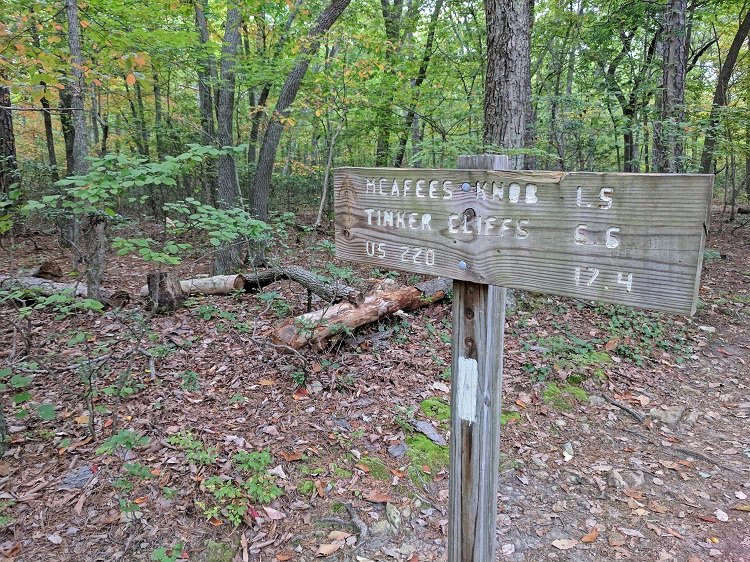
126 438
168 254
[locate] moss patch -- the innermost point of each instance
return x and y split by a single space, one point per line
339 472
216 552
509 417
423 452
436 409
306 487
564 397
378 469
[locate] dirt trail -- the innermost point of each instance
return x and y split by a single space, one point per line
627 434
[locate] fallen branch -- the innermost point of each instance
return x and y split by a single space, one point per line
115 299
637 415
322 327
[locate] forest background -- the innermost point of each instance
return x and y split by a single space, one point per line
614 86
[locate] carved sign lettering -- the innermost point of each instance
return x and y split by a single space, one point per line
631 239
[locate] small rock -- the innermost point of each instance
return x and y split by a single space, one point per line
625 479
277 471
397 451
508 549
393 515
431 433
567 451
714 552
77 478
406 549
707 329
380 528
557 534
670 415
271 430
55 539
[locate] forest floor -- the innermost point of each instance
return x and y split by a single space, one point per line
626 434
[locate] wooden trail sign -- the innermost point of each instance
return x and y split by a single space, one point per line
630 239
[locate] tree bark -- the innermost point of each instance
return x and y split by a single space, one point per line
164 291
229 257
80 148
322 327
326 175
49 137
158 119
508 82
8 162
720 95
668 143
261 188
66 124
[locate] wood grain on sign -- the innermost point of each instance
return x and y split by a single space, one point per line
631 239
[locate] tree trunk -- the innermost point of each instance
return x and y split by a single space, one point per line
206 77
322 327
158 120
49 137
327 174
94 116
720 95
261 189
141 119
668 144
66 124
80 148
8 162
259 105
508 82
229 257
164 291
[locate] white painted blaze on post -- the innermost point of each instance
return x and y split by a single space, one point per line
467 379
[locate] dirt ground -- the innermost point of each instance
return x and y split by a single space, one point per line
626 434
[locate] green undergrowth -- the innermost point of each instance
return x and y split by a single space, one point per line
564 396
509 417
242 482
424 453
377 468
436 409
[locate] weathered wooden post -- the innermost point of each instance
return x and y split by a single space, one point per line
630 239
476 399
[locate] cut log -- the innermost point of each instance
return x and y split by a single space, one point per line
46 270
322 327
114 299
216 285
331 291
164 291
